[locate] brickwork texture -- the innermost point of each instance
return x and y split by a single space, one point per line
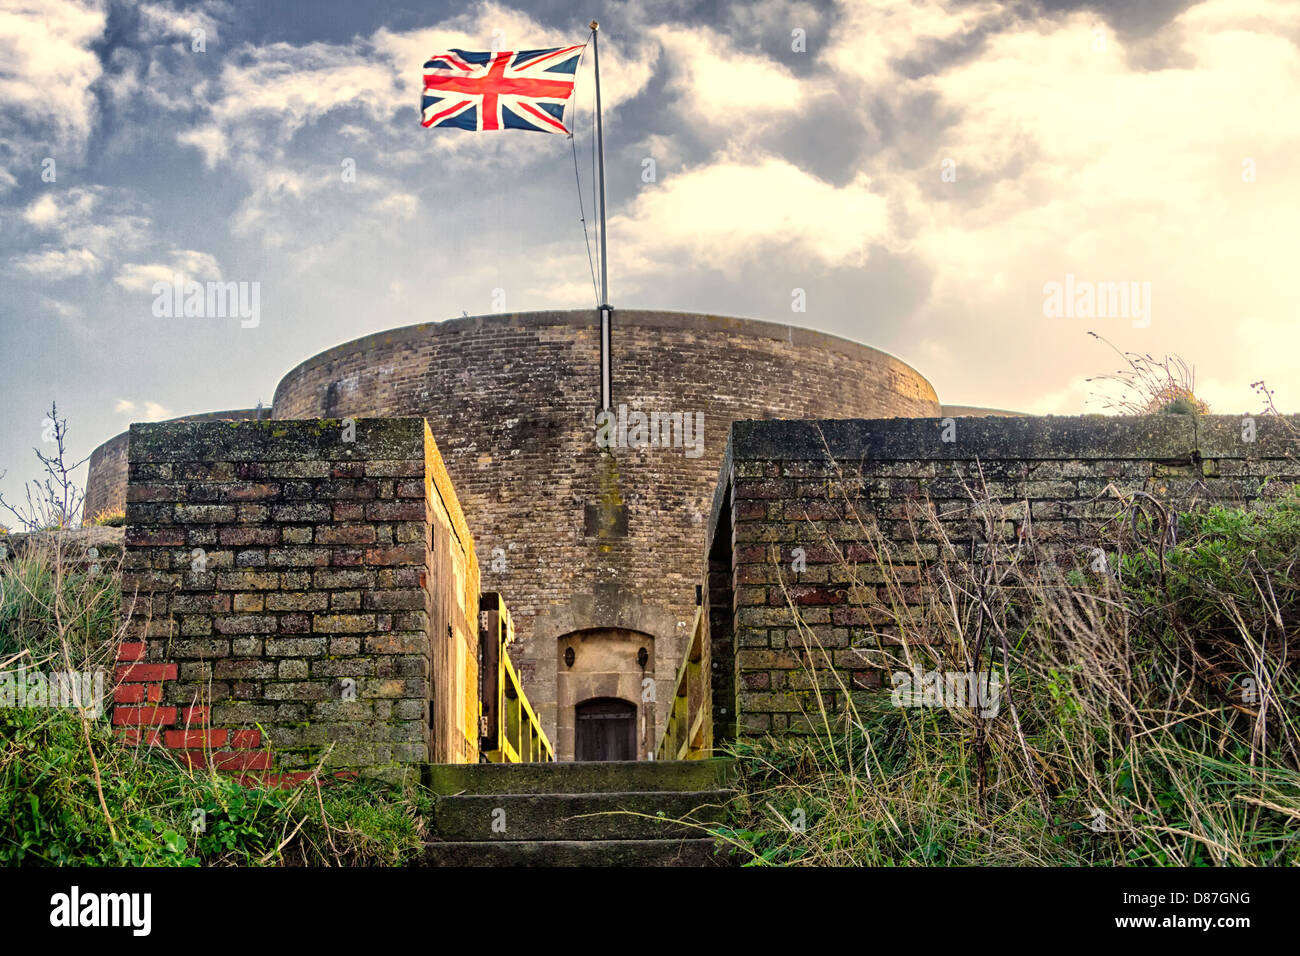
788 485
280 580
573 538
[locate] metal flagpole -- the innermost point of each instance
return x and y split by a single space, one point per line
606 311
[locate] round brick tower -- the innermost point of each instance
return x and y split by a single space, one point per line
595 551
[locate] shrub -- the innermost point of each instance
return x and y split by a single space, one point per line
1127 732
72 793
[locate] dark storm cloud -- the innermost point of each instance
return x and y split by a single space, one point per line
1131 18
829 139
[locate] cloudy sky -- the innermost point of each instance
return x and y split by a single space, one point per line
921 170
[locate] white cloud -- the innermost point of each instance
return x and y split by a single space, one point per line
83 229
717 85
1070 159
161 22
268 93
47 67
726 214
148 411
58 264
397 206
60 210
189 264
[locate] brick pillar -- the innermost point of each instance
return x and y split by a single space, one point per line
275 589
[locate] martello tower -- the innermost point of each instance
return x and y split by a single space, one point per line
597 551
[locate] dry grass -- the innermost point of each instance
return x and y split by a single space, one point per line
1148 713
71 793
1151 386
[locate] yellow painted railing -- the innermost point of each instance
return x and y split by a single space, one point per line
688 732
509 729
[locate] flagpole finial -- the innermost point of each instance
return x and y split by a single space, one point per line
594 26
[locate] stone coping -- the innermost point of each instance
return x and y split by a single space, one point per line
580 318
1030 438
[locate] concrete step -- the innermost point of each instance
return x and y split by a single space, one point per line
614 776
577 853
647 815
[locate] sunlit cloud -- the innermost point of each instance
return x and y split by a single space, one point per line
921 169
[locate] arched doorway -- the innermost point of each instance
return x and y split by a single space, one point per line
605 729
605 695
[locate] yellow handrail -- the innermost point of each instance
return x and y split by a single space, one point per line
510 731
688 732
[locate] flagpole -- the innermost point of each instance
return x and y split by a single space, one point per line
606 312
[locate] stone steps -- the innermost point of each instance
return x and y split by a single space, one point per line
576 853
612 776
625 813
578 816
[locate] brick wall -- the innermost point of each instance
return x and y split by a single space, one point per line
804 484
280 579
106 473
106 478
575 539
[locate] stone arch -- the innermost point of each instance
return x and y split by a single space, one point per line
609 664
605 607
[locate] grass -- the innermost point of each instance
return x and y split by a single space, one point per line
52 602
1147 715
108 518
160 814
73 794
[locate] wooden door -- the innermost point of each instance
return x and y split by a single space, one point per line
605 729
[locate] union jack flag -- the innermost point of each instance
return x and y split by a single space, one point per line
527 89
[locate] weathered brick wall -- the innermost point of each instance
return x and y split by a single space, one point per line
106 478
804 484
106 473
280 579
512 400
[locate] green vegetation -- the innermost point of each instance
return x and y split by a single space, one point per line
72 793
1148 717
108 518
155 813
49 604
1181 405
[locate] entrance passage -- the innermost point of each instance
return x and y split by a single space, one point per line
608 674
605 730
